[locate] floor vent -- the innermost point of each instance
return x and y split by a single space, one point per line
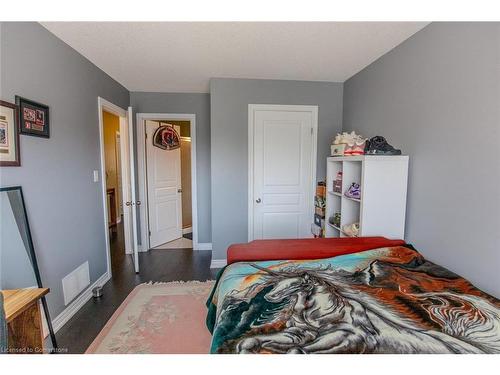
75 282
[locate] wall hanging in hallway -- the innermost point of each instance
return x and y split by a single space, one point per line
166 138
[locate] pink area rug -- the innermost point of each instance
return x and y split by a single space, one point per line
163 318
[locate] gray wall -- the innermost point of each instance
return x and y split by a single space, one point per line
437 96
199 104
64 204
229 129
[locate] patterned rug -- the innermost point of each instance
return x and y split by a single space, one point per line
163 318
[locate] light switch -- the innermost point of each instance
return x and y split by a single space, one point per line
96 176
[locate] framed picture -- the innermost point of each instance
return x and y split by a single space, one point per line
9 136
33 118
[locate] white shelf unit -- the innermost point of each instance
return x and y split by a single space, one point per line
381 210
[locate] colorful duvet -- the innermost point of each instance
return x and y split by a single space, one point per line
388 300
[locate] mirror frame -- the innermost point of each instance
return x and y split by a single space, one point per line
35 265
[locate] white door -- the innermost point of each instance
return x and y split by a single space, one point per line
128 202
125 185
119 175
164 190
282 141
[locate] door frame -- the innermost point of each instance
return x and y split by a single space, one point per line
141 171
104 105
252 108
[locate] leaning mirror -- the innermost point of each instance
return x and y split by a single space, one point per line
18 264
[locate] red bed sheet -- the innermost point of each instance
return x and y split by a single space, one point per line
308 248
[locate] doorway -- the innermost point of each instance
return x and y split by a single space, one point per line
116 175
168 175
167 183
282 170
112 178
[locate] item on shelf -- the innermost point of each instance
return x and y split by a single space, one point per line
335 219
318 220
354 191
316 230
356 149
351 230
319 201
354 144
321 189
337 183
378 145
319 211
337 150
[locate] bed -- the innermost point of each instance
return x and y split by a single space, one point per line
364 295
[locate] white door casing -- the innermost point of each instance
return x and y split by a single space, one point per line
164 190
282 171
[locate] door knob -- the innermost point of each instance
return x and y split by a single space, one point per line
128 203
138 203
179 190
258 200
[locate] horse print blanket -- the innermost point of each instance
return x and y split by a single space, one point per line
387 300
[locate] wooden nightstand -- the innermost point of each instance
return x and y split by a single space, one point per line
24 319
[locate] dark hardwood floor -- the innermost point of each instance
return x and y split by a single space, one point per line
155 265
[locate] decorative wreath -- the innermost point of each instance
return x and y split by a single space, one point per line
166 138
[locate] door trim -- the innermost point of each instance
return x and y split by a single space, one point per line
252 108
103 104
141 171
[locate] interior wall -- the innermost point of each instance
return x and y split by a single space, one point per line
437 96
229 150
199 104
64 204
111 124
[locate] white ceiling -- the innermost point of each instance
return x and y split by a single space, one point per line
182 57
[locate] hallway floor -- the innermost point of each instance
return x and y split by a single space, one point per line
156 265
180 243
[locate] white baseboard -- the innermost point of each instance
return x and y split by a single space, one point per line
187 230
204 246
77 303
218 263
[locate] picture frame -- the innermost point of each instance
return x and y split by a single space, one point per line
9 135
33 118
